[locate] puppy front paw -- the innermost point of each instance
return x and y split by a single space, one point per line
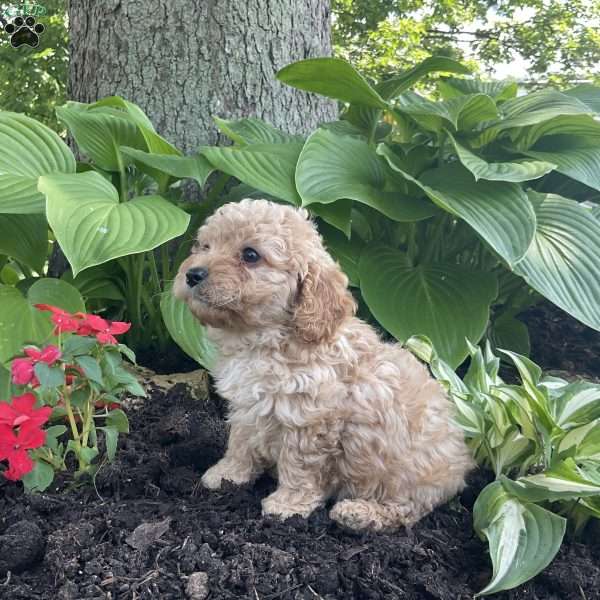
225 471
283 504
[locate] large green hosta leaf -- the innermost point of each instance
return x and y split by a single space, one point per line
253 131
451 87
25 238
448 304
266 167
100 132
461 113
92 227
562 260
588 94
21 323
498 211
515 172
176 167
185 329
332 77
332 167
577 158
28 150
532 110
523 537
390 88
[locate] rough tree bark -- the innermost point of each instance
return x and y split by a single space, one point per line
184 61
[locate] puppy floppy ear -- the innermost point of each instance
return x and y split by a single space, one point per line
323 301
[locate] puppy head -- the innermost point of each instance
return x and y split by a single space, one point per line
257 264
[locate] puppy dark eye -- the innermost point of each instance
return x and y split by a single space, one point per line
250 255
198 247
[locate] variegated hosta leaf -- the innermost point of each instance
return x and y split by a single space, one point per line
510 452
538 395
564 481
576 404
582 443
523 537
422 347
28 150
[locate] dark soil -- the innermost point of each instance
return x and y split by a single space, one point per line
149 531
560 342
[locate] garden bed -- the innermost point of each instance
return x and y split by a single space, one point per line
79 544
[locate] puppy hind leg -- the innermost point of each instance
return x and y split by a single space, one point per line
369 514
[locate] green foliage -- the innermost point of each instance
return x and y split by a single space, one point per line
557 40
34 80
446 214
542 440
111 216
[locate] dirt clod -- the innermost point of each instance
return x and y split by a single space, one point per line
21 545
197 586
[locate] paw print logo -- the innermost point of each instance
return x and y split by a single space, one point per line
24 31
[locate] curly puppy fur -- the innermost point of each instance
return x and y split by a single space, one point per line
312 390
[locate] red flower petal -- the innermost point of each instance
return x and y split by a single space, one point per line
106 338
22 371
50 354
53 309
19 464
7 414
32 352
96 323
30 436
25 403
118 327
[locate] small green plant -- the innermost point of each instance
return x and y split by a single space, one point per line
542 440
450 217
76 387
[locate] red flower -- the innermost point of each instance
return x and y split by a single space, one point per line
22 411
14 447
49 355
105 331
22 371
64 321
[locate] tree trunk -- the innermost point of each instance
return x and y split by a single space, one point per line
185 61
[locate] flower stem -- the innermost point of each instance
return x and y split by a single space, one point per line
74 430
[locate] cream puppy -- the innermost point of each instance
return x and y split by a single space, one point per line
312 390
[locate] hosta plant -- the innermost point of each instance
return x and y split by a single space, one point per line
449 215
112 214
65 399
542 440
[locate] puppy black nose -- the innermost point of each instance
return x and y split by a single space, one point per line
196 275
